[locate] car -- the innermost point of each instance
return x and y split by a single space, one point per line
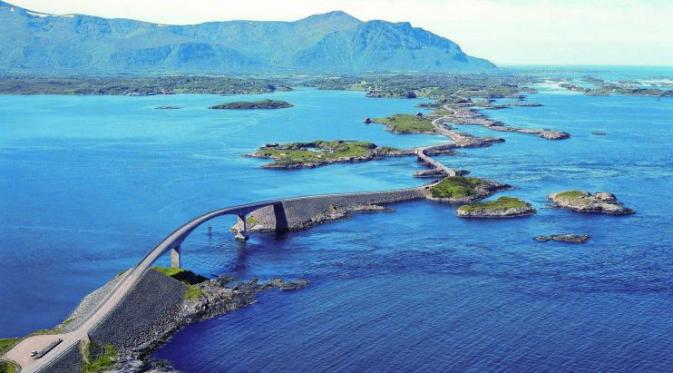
33 353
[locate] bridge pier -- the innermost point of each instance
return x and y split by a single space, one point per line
242 235
175 256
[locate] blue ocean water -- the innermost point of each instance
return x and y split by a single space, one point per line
91 183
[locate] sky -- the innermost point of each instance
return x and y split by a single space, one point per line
507 32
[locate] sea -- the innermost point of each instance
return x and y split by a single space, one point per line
90 184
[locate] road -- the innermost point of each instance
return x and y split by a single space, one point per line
20 354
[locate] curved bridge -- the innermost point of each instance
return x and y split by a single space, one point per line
51 347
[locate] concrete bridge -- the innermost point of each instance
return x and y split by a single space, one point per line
174 241
286 213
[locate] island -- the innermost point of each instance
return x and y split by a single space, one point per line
253 105
589 203
319 153
407 124
460 189
564 238
139 86
503 207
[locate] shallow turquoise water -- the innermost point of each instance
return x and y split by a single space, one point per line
92 183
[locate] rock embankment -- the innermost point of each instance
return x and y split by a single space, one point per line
565 238
503 207
589 203
161 305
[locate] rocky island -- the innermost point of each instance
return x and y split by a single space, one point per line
407 124
564 238
503 207
460 189
590 203
319 153
253 105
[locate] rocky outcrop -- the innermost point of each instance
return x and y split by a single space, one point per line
460 189
565 238
503 207
589 203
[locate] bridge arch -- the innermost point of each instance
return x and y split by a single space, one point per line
172 243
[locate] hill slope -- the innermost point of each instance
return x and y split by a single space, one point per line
333 42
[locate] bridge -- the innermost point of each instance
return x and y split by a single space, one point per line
52 347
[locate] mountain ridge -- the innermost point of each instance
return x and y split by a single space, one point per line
333 42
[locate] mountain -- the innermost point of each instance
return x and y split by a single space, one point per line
332 42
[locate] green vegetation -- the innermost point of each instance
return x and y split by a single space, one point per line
193 292
7 367
434 86
457 187
320 152
250 221
169 271
571 195
407 123
185 276
138 86
95 358
5 345
500 204
253 105
574 197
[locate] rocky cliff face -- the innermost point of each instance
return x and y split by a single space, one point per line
334 42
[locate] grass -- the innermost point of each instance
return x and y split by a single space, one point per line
7 367
254 105
104 357
457 187
189 278
169 271
319 151
500 204
572 196
185 276
406 123
5 345
193 292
